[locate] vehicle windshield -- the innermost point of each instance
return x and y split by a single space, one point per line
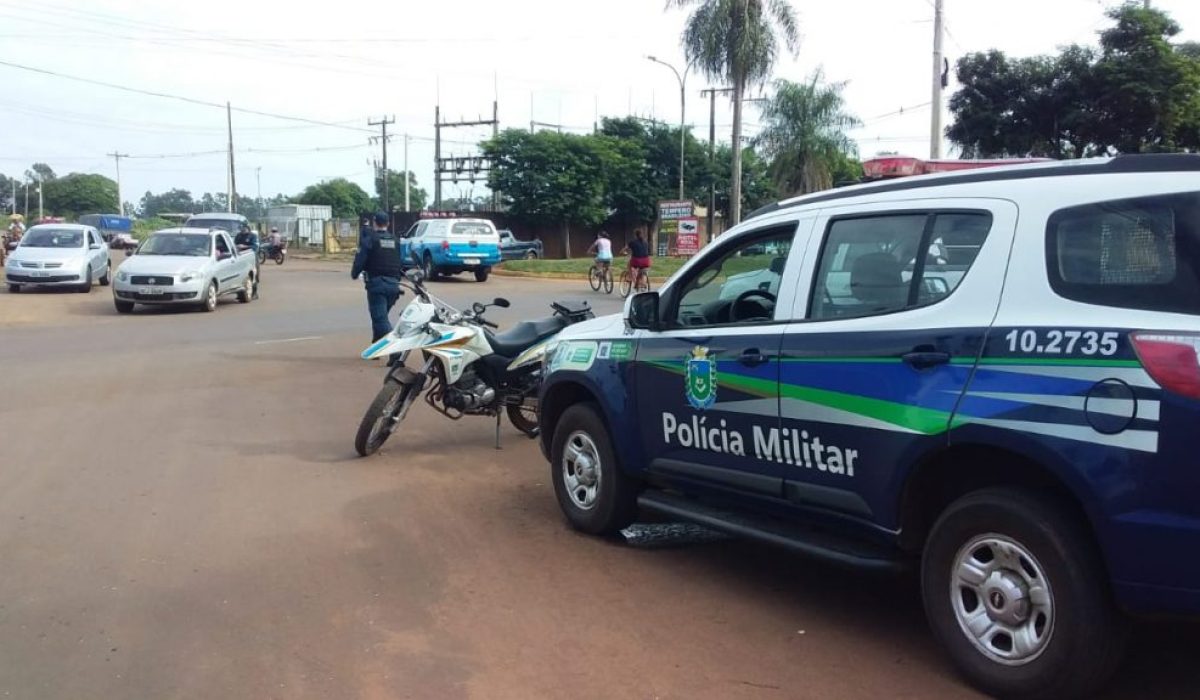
230 226
52 238
189 244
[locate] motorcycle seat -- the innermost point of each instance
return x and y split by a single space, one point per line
524 334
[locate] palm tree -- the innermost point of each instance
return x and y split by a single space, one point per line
735 41
805 134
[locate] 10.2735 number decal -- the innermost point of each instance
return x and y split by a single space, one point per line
1058 342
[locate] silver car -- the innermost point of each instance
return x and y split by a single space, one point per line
58 255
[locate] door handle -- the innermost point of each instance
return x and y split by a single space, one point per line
922 358
753 358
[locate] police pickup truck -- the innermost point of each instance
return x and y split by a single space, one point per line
990 376
190 266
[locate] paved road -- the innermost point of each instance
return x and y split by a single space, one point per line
182 516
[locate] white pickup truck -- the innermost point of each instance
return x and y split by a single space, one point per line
185 266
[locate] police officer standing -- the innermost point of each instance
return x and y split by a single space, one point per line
378 260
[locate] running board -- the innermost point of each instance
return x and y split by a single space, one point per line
839 550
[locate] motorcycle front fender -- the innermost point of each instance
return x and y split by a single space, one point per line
391 345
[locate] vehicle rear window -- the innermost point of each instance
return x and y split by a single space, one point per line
227 225
1139 253
467 228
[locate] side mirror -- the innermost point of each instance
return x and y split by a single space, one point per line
643 311
94 246
501 302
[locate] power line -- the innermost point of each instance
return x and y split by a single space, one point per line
189 100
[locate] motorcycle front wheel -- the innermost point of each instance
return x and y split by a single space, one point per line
382 416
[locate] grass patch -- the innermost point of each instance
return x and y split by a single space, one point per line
145 227
662 267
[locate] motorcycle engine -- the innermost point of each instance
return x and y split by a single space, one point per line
469 393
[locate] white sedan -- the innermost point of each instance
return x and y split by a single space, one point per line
58 255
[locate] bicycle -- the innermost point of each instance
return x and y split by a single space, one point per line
601 277
627 282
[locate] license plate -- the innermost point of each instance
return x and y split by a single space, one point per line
37 273
151 290
469 262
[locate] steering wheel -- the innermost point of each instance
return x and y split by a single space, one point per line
745 296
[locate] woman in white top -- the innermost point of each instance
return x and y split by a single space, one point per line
603 249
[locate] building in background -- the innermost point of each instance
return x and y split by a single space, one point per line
300 224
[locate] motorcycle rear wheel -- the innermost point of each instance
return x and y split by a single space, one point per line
524 417
382 416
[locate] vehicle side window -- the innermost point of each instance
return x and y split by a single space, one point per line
91 238
222 245
1139 253
882 264
737 285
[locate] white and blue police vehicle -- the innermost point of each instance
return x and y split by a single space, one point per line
991 376
452 246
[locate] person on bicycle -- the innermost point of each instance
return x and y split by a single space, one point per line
639 259
602 247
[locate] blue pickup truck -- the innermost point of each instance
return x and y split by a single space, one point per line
453 246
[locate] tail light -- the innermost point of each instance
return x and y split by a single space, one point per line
1173 360
445 246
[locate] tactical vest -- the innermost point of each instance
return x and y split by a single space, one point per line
383 260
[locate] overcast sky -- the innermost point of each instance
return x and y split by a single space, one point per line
564 61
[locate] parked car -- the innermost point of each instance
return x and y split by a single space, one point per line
185 266
453 246
58 255
513 249
992 377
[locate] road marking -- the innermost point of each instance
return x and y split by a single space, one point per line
288 340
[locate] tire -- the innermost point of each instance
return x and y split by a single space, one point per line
524 418
430 269
531 255
382 416
247 294
14 289
123 307
86 287
609 502
1009 541
626 284
261 256
482 273
608 281
208 298
594 278
278 257
107 278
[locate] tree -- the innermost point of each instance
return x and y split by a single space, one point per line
805 138
347 199
552 178
1137 93
646 168
80 193
40 172
175 201
757 188
417 197
735 41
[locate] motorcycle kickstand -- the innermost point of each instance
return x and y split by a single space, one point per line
498 431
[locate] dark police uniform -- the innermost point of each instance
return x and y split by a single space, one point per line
379 258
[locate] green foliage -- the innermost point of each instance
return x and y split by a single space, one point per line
417 197
174 201
145 227
736 42
757 187
80 193
40 172
1137 93
580 266
804 137
647 169
347 199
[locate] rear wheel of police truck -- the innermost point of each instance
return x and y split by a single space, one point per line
383 415
593 492
1016 593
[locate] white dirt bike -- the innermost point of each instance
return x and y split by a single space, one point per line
465 368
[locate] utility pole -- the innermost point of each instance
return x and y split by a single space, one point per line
935 126
383 139
437 157
41 207
232 207
712 141
466 167
120 198
407 178
682 114
258 183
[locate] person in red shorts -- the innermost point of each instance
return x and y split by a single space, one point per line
639 260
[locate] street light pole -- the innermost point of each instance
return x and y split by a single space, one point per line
682 78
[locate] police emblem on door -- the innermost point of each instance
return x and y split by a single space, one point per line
700 382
